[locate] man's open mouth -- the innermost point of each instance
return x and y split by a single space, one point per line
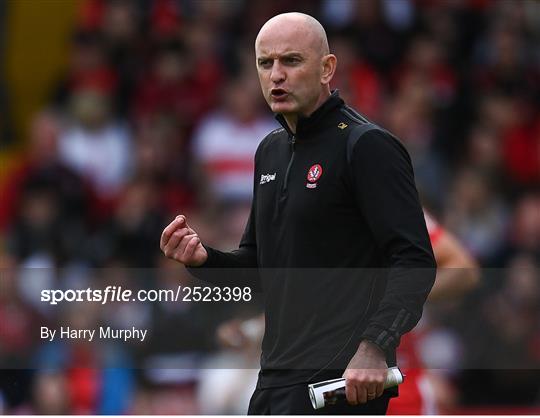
279 94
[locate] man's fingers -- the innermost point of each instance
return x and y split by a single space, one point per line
181 248
362 387
191 246
177 223
361 393
350 393
371 392
379 389
182 219
179 241
175 241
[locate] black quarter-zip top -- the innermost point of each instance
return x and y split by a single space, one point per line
335 240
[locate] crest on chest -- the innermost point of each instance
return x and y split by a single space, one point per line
313 175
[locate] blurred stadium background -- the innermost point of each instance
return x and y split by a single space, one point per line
117 115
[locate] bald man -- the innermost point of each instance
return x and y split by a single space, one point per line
335 231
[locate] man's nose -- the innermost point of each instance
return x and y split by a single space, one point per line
277 74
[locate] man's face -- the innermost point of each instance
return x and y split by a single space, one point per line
290 70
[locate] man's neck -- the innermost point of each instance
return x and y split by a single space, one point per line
292 118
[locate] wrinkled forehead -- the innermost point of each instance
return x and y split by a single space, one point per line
285 38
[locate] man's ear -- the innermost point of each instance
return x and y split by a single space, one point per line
329 63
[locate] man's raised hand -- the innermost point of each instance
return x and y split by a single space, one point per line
181 243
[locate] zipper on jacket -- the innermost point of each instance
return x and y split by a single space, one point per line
280 201
286 180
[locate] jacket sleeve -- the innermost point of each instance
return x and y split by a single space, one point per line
387 196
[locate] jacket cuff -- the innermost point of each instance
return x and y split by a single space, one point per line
386 340
208 263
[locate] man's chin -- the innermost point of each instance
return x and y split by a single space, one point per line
282 107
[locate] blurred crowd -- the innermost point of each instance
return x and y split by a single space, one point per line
159 112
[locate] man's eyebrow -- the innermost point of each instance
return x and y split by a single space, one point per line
293 54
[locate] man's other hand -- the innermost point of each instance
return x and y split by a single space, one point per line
366 374
181 243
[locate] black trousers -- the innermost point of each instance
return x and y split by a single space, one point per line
294 400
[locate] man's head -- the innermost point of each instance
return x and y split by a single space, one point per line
294 64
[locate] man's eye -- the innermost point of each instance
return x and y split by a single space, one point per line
291 60
265 63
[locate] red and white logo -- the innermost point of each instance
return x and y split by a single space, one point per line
314 174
